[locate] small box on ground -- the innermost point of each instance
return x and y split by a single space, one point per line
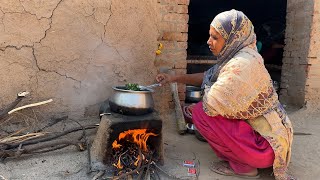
189 164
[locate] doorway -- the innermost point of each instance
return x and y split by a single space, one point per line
267 16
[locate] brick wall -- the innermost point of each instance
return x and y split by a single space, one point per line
174 35
296 66
300 79
313 73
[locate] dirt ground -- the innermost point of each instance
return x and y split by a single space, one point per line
71 164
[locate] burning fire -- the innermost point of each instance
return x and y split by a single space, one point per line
137 137
115 145
119 165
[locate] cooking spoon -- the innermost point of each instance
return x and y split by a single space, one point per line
153 85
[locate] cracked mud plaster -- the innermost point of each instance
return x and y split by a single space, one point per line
17 73
74 51
40 8
20 29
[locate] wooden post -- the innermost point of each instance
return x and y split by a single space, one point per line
181 124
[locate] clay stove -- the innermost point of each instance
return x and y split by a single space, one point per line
109 129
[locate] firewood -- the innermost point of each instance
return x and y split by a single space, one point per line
20 96
181 124
30 105
40 148
51 136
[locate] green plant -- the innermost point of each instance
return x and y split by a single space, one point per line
132 87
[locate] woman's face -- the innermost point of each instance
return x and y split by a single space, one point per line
215 41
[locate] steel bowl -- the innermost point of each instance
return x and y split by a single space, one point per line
130 102
193 94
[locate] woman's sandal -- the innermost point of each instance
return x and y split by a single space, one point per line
223 168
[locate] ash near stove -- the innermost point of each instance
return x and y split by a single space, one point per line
125 143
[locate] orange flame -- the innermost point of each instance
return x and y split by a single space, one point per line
137 136
115 145
137 161
118 165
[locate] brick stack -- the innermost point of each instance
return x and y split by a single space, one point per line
299 52
174 36
313 73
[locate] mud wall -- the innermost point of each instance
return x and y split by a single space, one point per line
74 51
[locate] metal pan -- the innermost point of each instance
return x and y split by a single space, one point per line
130 102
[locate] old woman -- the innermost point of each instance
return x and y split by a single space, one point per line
240 116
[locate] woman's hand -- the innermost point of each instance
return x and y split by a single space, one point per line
165 78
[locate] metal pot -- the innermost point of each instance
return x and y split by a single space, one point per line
130 102
193 94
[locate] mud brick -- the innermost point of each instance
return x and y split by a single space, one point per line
168 45
180 71
181 88
182 27
168 26
182 45
180 64
175 36
174 17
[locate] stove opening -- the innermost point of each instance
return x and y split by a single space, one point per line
127 145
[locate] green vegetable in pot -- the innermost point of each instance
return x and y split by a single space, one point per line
132 87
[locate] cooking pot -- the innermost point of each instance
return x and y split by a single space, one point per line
131 102
193 94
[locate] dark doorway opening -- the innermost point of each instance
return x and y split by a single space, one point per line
267 16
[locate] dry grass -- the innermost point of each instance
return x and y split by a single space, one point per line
13 139
20 127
